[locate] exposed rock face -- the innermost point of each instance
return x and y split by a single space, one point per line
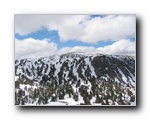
84 78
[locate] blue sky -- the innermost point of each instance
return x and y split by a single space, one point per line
114 34
54 37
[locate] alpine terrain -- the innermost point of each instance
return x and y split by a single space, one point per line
76 79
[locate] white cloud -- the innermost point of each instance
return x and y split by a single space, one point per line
34 48
76 49
120 47
99 29
26 24
79 27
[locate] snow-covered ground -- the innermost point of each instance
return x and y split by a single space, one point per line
76 79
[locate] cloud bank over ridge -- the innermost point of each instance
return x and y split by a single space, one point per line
83 28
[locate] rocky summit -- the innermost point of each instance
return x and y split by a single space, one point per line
76 79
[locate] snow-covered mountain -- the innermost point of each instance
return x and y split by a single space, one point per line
76 79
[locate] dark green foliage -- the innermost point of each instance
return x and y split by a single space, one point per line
50 89
75 97
54 98
132 98
17 84
78 83
87 100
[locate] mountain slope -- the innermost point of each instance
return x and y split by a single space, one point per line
78 77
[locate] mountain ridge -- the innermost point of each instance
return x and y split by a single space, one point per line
80 71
